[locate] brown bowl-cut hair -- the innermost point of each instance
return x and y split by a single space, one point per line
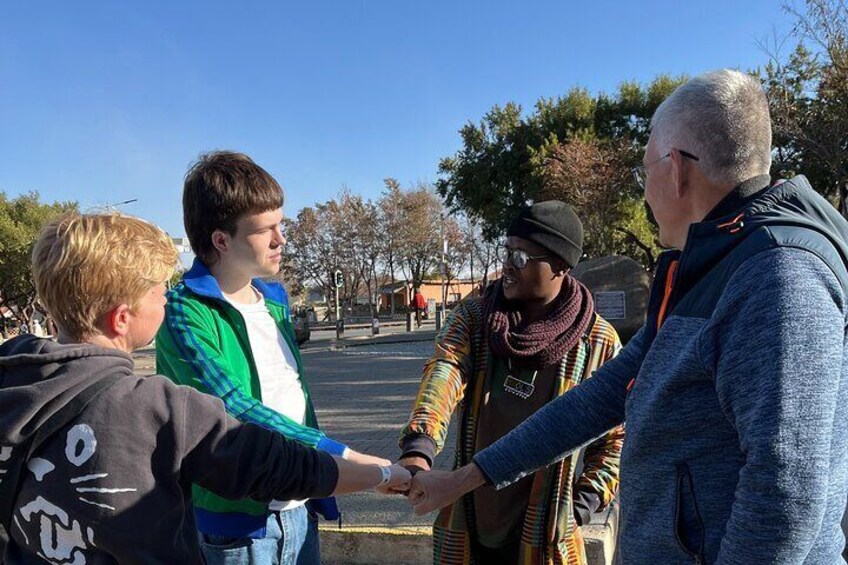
219 189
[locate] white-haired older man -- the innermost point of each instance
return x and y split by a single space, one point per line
734 392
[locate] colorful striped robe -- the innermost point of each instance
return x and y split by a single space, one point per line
453 380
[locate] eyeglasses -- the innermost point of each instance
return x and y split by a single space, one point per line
518 257
640 173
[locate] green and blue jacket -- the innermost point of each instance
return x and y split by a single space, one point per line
204 343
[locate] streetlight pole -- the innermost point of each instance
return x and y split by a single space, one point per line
337 305
338 281
110 207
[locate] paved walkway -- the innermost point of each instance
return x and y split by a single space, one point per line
363 396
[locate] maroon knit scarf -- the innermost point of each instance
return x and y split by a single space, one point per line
542 343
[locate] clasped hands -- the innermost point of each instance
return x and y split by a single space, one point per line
431 490
426 490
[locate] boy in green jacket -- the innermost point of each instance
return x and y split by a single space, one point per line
228 333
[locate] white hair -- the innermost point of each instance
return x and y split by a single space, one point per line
723 118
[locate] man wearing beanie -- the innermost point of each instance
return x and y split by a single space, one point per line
531 337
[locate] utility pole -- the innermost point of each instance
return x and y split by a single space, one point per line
444 265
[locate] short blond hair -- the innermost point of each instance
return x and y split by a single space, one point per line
86 264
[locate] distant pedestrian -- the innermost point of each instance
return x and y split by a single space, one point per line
418 305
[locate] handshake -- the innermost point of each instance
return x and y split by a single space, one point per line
428 490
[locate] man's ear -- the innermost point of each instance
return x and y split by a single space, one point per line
117 321
560 268
678 173
221 241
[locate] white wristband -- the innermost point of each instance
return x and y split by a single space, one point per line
387 475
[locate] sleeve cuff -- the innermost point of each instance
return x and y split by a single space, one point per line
331 447
585 504
328 477
483 472
419 445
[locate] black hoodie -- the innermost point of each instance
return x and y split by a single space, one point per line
114 484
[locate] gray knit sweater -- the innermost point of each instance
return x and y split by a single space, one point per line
736 408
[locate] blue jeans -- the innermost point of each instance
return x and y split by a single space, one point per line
291 538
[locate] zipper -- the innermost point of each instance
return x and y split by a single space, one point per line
669 291
671 275
697 557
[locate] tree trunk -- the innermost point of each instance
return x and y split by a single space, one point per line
472 266
649 255
843 199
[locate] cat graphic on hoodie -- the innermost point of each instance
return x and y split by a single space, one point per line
62 539
113 485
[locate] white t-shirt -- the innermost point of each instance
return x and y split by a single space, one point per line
277 368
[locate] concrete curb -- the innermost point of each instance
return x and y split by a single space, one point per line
376 546
366 545
385 339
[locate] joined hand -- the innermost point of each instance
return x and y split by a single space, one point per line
432 490
413 465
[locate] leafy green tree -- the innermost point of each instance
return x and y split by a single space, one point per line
491 174
507 160
627 115
21 219
808 99
595 178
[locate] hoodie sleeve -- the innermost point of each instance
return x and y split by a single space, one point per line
188 351
776 346
238 460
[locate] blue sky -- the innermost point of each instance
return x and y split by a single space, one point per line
107 101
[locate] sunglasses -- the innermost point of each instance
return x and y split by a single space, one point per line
518 257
